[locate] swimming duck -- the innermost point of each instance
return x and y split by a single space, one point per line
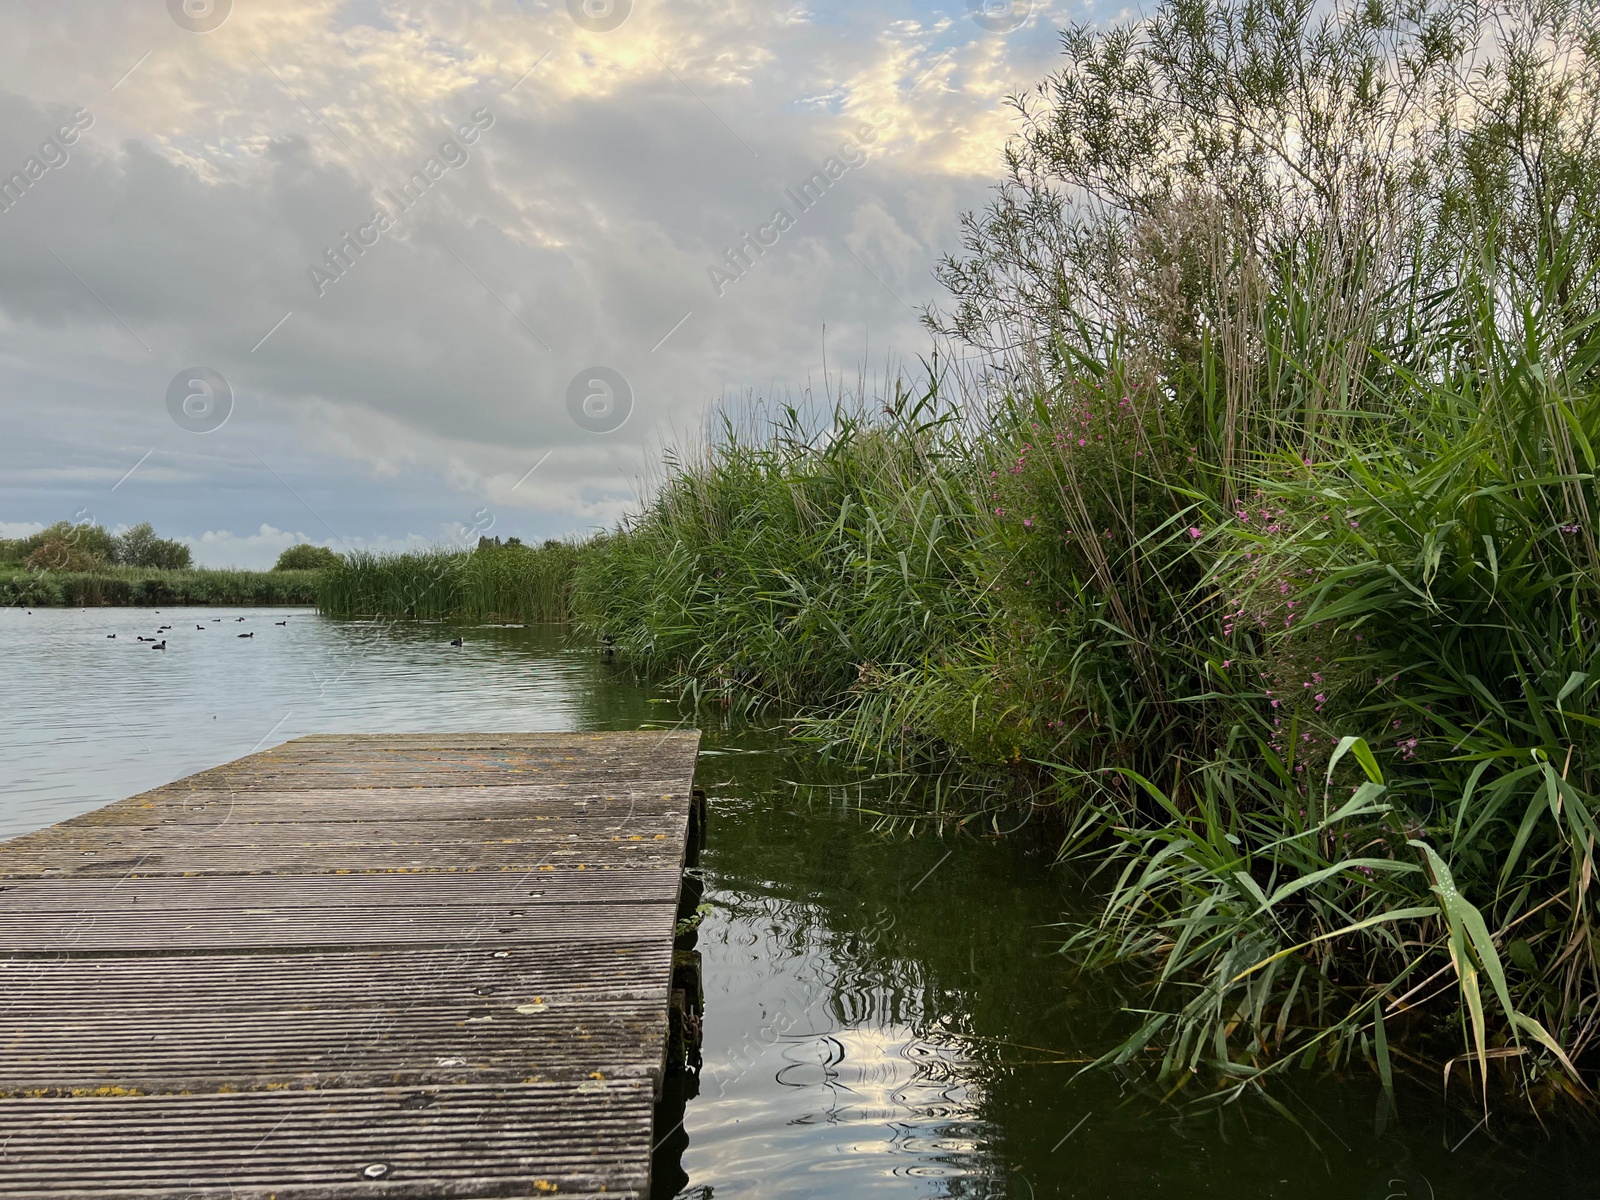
455 641
280 622
247 635
111 635
161 645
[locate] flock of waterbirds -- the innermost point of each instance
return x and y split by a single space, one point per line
160 643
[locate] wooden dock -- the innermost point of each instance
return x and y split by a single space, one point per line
382 966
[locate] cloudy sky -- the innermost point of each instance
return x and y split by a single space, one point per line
368 271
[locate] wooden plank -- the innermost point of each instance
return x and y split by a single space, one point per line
396 1143
379 965
265 835
397 804
637 884
293 928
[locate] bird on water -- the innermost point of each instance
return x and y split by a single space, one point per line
161 645
247 635
456 642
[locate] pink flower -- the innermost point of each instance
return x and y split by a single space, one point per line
1227 662
1194 531
1319 697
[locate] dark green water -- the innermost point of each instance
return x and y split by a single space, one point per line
883 1017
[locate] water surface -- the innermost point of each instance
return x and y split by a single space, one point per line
884 1017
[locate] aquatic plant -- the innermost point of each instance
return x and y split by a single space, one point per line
497 583
1262 545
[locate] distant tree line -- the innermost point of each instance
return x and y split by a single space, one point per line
65 546
84 546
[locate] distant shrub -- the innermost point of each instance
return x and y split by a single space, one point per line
306 557
60 554
63 546
140 547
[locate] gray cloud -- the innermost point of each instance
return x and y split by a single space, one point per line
426 379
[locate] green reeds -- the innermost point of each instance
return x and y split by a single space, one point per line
497 583
1264 546
790 558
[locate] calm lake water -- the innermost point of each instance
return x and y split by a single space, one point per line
883 1017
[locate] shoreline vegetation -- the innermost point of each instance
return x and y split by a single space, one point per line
490 583
134 587
1251 532
83 566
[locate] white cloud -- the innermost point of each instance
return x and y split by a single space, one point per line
259 550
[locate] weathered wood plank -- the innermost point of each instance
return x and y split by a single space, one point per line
378 966
396 804
396 1143
162 931
638 884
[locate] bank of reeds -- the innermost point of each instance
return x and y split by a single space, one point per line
153 587
512 583
793 553
1263 545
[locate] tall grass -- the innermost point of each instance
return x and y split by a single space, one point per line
1264 546
498 583
794 554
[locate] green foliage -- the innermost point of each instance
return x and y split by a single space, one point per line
1266 546
306 557
84 546
497 583
148 587
64 546
794 559
139 546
